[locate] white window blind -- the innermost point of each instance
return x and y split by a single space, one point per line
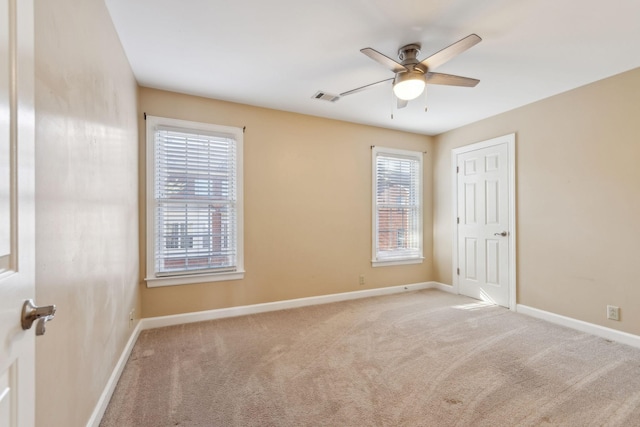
397 205
195 204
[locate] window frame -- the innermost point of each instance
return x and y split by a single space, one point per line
183 278
402 258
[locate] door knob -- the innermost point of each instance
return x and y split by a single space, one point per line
503 234
31 313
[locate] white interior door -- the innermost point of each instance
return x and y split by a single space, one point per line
17 267
484 221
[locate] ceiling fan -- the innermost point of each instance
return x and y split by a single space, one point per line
412 75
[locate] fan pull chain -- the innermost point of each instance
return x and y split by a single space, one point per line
425 99
393 100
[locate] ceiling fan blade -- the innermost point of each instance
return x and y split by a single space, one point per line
384 60
402 103
449 52
369 86
450 80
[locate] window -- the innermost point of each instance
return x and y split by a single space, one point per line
194 202
397 207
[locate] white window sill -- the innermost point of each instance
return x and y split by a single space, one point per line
154 282
390 262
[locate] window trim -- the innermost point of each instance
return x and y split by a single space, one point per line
152 279
400 260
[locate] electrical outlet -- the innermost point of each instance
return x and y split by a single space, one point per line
361 279
613 312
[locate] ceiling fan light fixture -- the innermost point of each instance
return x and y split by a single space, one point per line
409 85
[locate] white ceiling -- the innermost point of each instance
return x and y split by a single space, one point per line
278 53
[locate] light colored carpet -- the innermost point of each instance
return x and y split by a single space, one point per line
424 358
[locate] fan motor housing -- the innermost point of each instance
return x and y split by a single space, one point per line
409 54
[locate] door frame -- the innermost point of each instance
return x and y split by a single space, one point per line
510 140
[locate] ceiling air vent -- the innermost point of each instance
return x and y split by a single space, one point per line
325 96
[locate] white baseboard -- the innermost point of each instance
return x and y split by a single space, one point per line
178 319
597 330
105 397
443 287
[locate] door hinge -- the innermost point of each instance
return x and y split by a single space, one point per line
457 169
458 220
458 272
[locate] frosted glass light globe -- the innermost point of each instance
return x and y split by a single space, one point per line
409 85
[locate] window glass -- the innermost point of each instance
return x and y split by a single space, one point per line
397 205
194 217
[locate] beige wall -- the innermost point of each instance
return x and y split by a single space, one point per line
578 200
86 205
307 185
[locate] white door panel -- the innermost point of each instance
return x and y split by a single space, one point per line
17 267
483 221
471 258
